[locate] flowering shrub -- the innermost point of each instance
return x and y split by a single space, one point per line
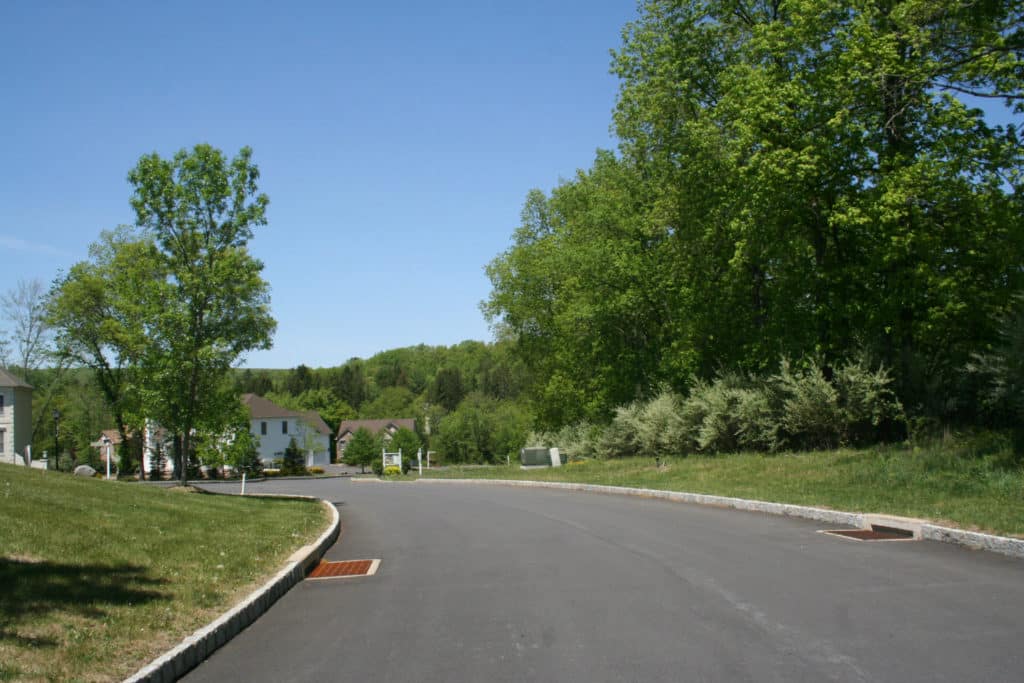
392 471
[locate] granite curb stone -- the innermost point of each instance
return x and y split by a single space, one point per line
190 652
1003 545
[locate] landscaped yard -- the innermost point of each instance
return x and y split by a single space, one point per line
99 577
970 484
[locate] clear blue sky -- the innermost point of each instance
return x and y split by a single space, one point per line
396 141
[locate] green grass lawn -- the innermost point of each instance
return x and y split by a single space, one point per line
98 577
971 484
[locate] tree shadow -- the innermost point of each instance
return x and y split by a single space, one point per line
33 589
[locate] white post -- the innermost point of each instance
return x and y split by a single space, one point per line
243 482
383 458
419 460
108 461
28 454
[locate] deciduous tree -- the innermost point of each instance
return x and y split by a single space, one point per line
213 306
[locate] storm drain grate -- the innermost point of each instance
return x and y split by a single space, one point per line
875 533
346 569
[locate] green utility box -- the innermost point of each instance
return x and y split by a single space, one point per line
534 457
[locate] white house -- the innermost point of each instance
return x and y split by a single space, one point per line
15 418
275 427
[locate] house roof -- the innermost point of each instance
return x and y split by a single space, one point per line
375 426
260 407
9 380
313 418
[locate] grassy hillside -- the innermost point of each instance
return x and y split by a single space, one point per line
98 577
972 484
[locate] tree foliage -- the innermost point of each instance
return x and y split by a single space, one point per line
100 321
212 304
794 179
362 448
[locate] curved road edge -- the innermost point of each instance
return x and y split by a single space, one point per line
973 540
190 652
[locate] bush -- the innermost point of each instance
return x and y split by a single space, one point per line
377 466
622 437
392 471
270 472
661 430
294 463
406 465
857 407
316 470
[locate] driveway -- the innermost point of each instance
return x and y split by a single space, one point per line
485 583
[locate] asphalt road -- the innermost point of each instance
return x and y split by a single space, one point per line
485 583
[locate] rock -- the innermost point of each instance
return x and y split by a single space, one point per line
84 471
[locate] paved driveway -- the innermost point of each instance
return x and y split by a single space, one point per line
498 584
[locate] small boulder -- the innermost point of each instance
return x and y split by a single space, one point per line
84 471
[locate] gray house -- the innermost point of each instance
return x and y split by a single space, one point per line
15 418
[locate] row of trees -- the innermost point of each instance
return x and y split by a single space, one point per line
161 310
806 179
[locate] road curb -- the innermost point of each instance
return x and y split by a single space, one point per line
190 652
1003 545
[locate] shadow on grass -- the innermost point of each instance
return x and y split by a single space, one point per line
36 590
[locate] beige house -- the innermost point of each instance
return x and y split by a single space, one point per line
15 418
385 427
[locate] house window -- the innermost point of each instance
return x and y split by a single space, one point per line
1 404
3 437
284 426
263 428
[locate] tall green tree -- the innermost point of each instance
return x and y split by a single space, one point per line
795 179
201 210
362 448
99 313
446 389
824 184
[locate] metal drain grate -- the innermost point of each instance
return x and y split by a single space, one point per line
346 569
875 533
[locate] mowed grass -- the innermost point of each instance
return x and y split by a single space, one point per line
98 577
972 484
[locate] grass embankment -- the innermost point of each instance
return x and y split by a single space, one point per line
970 485
98 577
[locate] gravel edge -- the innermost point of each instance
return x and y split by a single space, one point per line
1002 545
190 652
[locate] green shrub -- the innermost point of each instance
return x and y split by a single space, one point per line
294 463
871 410
661 430
856 407
377 466
622 437
316 470
811 415
392 471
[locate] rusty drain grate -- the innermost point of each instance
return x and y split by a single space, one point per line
346 569
875 533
